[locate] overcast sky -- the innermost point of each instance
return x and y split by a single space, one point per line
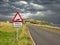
48 10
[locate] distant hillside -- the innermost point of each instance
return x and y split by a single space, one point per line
38 21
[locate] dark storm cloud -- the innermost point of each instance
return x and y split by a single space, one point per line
37 9
11 6
44 1
54 6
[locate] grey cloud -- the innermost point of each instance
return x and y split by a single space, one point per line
29 7
47 1
50 9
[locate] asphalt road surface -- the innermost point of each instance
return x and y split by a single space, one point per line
44 37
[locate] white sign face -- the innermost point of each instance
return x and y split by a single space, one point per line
17 24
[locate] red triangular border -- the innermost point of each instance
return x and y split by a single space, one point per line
15 17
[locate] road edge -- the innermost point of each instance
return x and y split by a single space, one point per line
31 37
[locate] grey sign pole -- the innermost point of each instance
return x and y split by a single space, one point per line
17 34
17 23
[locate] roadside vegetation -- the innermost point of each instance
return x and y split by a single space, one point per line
47 28
41 22
8 35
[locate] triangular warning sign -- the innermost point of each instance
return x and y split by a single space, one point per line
17 18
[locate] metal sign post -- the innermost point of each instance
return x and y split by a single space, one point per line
17 34
17 23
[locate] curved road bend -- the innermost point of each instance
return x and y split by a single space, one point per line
44 37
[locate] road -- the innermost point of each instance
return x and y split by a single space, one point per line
44 37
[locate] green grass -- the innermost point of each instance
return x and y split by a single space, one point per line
24 37
7 38
8 35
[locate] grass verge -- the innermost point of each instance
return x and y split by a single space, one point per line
24 37
8 35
